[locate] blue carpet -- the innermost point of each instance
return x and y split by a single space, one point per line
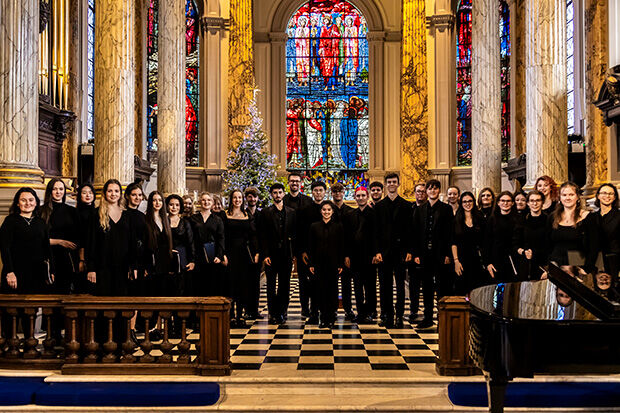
584 394
16 391
129 394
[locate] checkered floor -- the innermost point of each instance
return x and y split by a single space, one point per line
309 348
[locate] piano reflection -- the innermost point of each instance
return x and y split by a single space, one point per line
567 324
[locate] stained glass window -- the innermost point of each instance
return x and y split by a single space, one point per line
463 80
570 64
327 93
90 123
191 82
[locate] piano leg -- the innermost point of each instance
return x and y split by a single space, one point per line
496 390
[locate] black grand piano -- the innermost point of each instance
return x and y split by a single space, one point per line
567 324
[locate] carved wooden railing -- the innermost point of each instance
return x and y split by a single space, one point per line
97 337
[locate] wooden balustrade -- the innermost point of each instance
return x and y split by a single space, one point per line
97 337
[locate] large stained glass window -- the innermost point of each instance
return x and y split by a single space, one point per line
463 80
570 64
327 93
191 82
90 118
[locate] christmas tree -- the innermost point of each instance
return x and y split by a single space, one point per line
250 163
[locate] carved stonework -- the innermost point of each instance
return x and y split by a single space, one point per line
44 15
214 24
440 21
142 169
54 126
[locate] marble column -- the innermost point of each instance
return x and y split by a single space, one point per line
19 95
240 69
413 97
597 56
486 117
545 61
114 91
171 98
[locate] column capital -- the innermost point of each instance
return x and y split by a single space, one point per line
440 21
214 24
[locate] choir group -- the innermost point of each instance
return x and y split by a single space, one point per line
442 248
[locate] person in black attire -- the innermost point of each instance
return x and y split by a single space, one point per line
27 264
499 233
62 221
277 231
346 278
467 245
86 214
306 217
111 254
251 312
486 202
453 194
415 270
608 218
133 198
188 206
549 188
242 252
433 224
520 208
360 250
326 258
572 229
376 192
529 239
393 232
158 249
298 202
208 230
218 209
182 245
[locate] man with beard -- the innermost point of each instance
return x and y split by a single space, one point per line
376 192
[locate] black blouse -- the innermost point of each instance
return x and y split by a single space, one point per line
609 230
63 222
326 244
211 230
86 213
183 236
114 248
581 238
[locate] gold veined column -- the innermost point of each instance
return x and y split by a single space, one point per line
171 98
597 56
241 78
413 97
114 91
19 97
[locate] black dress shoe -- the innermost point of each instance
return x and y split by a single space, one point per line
374 315
388 323
425 323
325 324
312 320
273 320
281 320
258 316
240 323
398 323
365 320
305 313
155 335
413 318
349 316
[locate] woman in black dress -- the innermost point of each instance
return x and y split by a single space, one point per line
467 246
182 245
86 214
549 188
572 232
133 198
497 252
27 264
159 270
326 257
208 230
486 202
111 255
608 219
62 221
241 247
529 239
521 208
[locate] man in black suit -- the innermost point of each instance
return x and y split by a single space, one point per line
360 250
433 225
276 231
298 201
376 192
346 278
415 270
393 235
306 217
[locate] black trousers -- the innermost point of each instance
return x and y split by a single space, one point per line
346 289
392 271
254 289
415 274
326 292
365 284
307 286
278 296
435 276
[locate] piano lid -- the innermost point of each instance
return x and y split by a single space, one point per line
529 300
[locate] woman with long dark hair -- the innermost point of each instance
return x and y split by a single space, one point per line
241 247
208 230
27 264
134 195
486 202
572 231
111 255
467 245
529 241
62 221
497 252
520 207
182 244
159 272
549 188
608 219
86 212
